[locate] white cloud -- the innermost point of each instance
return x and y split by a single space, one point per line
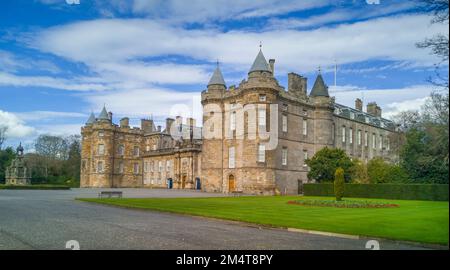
392 101
45 81
390 38
48 115
143 103
16 128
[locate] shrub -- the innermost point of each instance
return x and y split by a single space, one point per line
360 175
427 192
339 184
324 163
379 171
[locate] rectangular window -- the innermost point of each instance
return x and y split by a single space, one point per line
381 142
262 117
284 123
305 126
284 156
366 139
147 148
343 134
233 121
350 135
231 160
388 144
145 166
101 149
261 153
121 167
100 167
136 168
160 166
101 134
359 137
136 151
121 150
168 165
374 141
305 157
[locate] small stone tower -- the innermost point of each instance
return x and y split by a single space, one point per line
323 114
18 173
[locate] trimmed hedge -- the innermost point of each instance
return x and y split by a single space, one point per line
36 187
426 192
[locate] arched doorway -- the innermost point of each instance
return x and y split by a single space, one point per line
231 183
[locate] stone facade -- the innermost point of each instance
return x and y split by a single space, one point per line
254 139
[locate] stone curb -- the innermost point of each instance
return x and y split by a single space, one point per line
340 235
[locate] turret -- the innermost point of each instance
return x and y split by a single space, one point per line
323 113
104 116
260 67
91 119
217 83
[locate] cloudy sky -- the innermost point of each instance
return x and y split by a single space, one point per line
60 61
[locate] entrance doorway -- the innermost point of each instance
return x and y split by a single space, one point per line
198 185
231 183
169 183
183 181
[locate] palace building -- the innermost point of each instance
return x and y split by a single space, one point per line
254 139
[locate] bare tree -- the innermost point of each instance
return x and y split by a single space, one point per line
3 130
439 44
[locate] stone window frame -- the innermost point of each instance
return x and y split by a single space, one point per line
136 153
233 121
305 126
121 167
374 141
284 156
284 123
350 135
231 157
136 168
261 153
262 117
366 138
380 144
359 137
121 150
305 157
100 166
343 134
101 149
168 165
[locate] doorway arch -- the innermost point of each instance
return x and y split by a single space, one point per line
231 183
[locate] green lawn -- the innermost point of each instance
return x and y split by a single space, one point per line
419 221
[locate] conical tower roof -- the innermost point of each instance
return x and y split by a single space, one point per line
260 63
91 119
103 114
217 77
319 88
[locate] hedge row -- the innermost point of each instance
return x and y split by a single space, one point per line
37 187
427 192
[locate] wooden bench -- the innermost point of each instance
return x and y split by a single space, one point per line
110 194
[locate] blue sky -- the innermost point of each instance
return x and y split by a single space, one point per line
59 62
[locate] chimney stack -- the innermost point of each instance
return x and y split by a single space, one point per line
296 83
272 66
169 123
358 104
374 109
147 125
125 122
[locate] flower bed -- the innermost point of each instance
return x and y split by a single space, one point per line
343 203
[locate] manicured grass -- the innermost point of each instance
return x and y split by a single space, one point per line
419 221
37 187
